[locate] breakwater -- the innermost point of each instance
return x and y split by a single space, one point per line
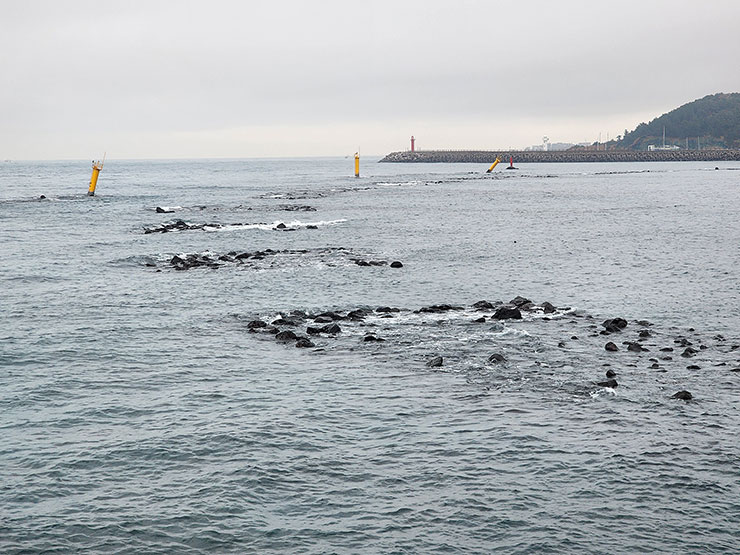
527 157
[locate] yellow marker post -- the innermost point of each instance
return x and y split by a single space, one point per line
493 165
357 164
96 167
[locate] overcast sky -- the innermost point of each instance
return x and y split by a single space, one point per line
240 78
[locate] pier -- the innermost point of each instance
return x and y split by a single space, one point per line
539 156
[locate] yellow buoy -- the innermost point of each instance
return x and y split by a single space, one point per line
357 164
493 165
96 167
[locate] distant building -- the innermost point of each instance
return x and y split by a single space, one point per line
664 147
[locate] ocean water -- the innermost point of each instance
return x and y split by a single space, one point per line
140 413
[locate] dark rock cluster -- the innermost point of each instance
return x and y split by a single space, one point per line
213 261
296 208
180 225
306 329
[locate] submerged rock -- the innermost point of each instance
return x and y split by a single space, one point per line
611 347
496 358
682 395
435 362
396 264
608 383
610 373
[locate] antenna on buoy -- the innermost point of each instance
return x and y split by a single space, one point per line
96 167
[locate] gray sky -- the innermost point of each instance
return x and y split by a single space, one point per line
154 79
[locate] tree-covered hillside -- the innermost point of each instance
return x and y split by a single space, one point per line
714 120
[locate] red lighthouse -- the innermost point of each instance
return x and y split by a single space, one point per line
412 143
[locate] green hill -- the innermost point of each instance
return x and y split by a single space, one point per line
714 120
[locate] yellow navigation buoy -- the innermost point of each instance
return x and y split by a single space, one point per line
493 165
96 167
357 164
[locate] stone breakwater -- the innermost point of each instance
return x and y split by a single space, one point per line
529 157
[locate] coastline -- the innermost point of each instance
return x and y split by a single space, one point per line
563 156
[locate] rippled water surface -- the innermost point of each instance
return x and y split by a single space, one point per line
143 412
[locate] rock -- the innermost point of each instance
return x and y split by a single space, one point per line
281 226
286 335
548 308
519 301
285 322
163 210
635 347
574 337
644 333
480 320
507 313
693 367
483 305
370 337
614 325
387 309
329 314
496 358
358 314
643 323
304 342
323 319
655 366
611 347
667 349
396 264
254 324
689 352
243 256
313 331
42 197
437 308
331 328
608 383
610 373
682 395
436 362
362 263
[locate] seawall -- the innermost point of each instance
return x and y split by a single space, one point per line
528 157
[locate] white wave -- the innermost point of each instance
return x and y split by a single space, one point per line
295 224
604 392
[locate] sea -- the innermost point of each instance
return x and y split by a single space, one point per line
151 400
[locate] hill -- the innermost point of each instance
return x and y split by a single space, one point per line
714 120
